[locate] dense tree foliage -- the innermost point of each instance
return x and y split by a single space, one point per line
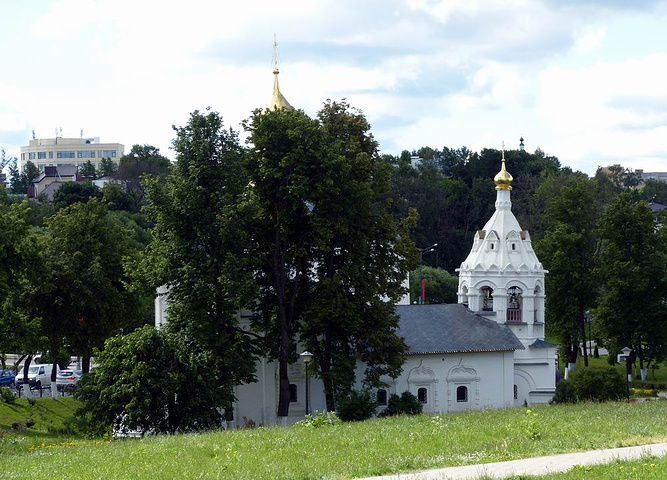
70 193
84 283
440 286
198 250
632 309
19 181
149 381
568 250
330 258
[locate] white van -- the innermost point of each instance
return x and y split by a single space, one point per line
39 375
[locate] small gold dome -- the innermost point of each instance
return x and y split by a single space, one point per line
503 179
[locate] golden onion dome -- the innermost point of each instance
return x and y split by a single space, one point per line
503 179
278 100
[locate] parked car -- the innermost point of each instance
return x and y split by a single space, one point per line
38 375
6 378
67 378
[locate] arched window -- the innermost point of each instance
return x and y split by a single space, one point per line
382 396
539 301
462 394
422 395
464 295
487 299
514 301
292 392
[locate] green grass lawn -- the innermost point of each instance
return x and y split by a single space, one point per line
346 451
47 413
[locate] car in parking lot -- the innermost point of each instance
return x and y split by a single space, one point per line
6 378
39 375
67 378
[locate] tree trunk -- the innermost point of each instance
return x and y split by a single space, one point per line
85 363
18 362
26 366
329 394
582 325
283 357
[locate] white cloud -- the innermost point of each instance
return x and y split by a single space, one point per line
425 72
589 38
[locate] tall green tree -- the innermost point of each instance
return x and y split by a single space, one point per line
330 257
361 257
198 250
568 251
88 170
20 180
86 277
14 252
632 264
107 168
283 169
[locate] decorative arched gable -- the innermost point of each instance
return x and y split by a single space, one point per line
422 383
465 376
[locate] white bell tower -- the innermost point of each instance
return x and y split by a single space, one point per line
502 280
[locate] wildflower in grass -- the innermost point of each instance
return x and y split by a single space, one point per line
531 427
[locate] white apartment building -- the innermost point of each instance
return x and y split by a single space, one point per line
61 152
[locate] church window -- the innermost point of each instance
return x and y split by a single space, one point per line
422 395
514 246
464 295
487 299
492 245
462 394
382 397
516 392
514 300
292 392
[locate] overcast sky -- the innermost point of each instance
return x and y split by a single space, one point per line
583 80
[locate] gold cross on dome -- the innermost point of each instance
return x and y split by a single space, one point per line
503 150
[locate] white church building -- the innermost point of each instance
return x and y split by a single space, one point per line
487 351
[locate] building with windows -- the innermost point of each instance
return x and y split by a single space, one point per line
486 351
62 152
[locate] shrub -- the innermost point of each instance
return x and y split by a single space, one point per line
598 384
564 393
406 404
356 406
321 419
7 396
150 380
18 427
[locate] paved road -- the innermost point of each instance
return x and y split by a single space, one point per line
532 466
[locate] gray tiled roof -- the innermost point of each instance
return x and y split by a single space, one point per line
452 329
542 344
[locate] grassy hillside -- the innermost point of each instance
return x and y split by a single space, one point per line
345 451
47 414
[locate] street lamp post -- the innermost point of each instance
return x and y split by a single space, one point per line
306 357
422 284
589 320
